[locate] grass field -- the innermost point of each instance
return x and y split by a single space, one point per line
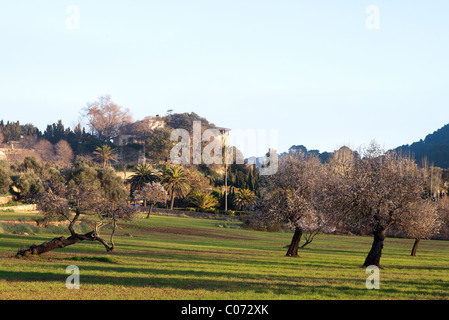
169 257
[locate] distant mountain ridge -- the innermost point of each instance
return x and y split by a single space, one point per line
434 149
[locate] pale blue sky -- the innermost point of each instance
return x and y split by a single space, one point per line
310 69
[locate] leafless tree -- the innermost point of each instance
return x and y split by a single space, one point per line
45 150
63 153
105 118
28 142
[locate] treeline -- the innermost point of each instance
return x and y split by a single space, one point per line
28 136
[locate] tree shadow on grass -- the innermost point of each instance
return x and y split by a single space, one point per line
179 281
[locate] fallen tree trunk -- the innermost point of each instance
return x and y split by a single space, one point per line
63 242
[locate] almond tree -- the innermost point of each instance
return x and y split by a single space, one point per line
293 195
152 193
69 204
420 220
375 192
316 223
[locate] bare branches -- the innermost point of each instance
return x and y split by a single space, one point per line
70 203
294 196
106 118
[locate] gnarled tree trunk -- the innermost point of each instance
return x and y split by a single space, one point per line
63 242
293 248
56 243
373 258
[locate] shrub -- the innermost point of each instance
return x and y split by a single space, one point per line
253 222
27 183
23 228
5 181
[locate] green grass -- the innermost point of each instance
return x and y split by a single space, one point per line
11 204
168 257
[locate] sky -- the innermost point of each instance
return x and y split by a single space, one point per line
317 73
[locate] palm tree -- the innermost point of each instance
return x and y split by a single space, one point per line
105 154
244 198
175 181
143 174
203 200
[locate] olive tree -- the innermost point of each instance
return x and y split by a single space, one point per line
86 190
69 204
5 177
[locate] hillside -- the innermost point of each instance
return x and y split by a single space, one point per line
434 148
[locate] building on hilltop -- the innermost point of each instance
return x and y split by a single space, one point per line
136 132
154 122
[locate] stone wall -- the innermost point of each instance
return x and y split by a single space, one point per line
5 200
25 207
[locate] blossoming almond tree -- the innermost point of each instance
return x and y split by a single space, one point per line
377 190
152 193
420 220
293 195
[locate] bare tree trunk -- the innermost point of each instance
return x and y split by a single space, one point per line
56 243
293 248
375 253
150 210
63 242
415 247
